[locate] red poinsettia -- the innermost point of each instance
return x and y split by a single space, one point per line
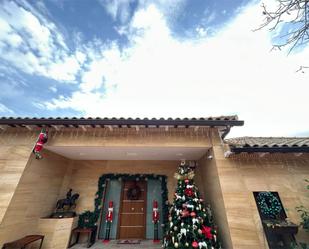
207 232
188 192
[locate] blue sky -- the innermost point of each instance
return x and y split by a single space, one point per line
140 58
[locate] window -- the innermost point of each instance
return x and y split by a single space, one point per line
279 233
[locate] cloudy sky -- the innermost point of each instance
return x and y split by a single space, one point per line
142 58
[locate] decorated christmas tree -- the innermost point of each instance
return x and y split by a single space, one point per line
190 223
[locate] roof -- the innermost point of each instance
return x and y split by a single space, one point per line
268 144
76 121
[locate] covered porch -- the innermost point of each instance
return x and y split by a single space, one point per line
79 152
105 174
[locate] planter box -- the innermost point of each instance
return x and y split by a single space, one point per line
280 226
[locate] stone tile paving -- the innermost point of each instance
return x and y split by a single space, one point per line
113 245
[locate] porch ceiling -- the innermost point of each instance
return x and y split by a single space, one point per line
129 153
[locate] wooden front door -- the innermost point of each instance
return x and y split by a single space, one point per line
132 215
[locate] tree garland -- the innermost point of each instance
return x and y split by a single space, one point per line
89 219
269 204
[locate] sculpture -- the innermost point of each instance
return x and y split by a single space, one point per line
65 207
69 201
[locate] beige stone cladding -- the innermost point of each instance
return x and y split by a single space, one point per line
15 148
83 176
34 197
240 175
30 187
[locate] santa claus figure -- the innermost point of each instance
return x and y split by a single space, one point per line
42 139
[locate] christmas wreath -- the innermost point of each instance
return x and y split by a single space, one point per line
134 193
269 204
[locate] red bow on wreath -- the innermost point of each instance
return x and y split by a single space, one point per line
42 139
207 232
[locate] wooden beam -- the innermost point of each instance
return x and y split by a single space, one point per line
56 127
83 127
30 128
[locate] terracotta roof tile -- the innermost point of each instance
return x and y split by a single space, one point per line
203 121
268 144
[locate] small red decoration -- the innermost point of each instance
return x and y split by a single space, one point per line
207 232
187 181
194 244
185 213
193 214
109 215
42 139
188 192
155 212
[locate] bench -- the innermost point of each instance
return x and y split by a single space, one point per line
91 232
23 242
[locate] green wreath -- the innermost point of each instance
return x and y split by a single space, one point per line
134 193
269 204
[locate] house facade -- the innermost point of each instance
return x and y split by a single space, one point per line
101 158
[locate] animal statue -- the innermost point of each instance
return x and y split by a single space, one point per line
70 201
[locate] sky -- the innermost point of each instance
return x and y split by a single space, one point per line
142 58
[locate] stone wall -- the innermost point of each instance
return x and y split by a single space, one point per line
83 176
241 175
15 149
35 196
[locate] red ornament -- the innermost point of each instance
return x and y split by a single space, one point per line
155 213
193 214
194 244
207 232
188 192
185 213
109 215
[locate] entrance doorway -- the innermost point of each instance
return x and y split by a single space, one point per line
132 215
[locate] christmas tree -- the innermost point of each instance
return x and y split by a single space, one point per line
190 223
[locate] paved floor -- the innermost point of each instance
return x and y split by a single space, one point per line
113 245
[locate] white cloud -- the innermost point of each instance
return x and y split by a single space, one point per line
232 72
53 89
34 45
5 110
118 9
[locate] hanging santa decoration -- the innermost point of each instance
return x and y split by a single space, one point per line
42 139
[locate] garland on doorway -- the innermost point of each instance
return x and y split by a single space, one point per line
90 218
